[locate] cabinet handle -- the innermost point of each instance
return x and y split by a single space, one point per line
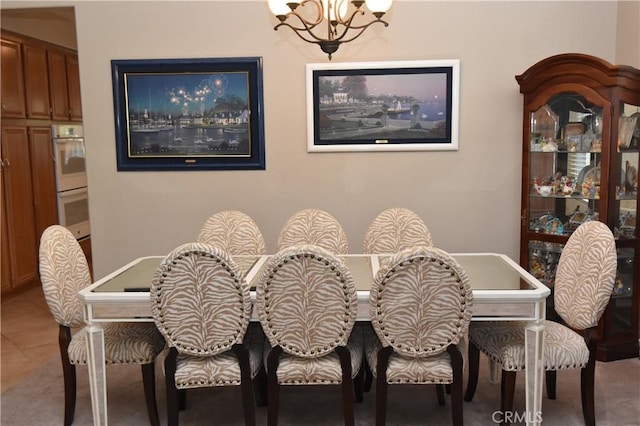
7 163
523 218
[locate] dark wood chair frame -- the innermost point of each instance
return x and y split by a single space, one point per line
508 381
456 387
69 374
348 386
176 399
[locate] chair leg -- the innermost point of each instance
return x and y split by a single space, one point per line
358 384
507 389
69 374
273 359
246 385
260 387
456 386
474 367
550 378
149 384
347 385
381 385
440 394
587 384
172 391
182 399
368 375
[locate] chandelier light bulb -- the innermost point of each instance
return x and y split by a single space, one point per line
378 5
279 7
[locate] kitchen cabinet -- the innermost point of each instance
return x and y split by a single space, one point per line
12 80
40 87
43 178
65 86
581 146
85 245
36 82
39 80
73 87
20 237
29 201
5 270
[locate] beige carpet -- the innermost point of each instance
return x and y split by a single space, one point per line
39 400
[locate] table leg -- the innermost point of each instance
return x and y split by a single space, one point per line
534 352
97 375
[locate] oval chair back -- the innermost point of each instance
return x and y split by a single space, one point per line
315 227
585 275
396 229
233 231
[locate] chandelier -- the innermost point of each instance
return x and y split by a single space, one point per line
307 19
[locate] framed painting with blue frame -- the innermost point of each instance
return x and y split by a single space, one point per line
189 114
383 106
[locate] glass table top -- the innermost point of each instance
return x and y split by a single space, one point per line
485 271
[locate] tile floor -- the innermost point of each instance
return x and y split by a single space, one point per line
29 336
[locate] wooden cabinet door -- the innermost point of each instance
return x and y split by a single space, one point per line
36 82
73 86
12 80
5 264
58 89
43 177
18 193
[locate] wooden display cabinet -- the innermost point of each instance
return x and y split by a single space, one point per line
581 145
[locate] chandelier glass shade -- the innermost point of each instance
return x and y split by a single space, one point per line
328 23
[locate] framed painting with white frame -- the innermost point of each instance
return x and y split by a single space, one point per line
383 106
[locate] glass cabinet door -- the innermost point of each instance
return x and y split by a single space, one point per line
565 164
625 210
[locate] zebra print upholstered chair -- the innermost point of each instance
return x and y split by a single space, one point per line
393 230
396 229
420 306
200 302
583 285
306 301
233 231
313 226
64 272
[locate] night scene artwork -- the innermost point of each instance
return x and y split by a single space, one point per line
188 114
383 106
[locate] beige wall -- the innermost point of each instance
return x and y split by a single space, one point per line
628 40
470 198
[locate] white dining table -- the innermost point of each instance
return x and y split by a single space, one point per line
502 291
